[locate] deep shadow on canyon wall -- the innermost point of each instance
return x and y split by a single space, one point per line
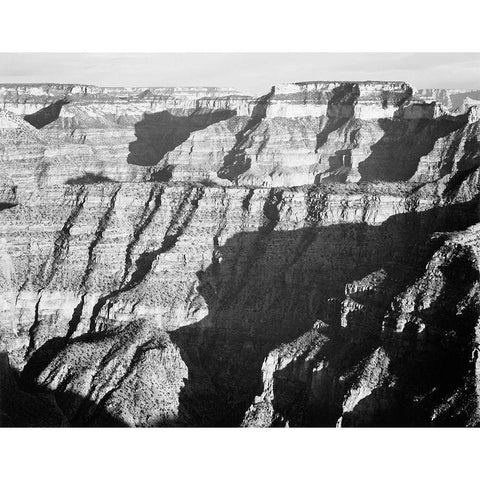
404 141
268 287
254 309
395 157
431 379
46 115
160 133
236 161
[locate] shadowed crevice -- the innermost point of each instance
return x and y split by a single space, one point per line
236 161
340 109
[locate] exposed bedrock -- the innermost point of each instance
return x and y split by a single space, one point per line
452 99
405 354
160 133
214 278
186 257
297 134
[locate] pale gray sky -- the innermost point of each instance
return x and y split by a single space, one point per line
249 72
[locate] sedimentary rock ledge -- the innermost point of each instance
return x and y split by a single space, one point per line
196 256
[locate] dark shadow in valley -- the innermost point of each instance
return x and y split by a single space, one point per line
430 370
266 288
160 133
434 373
46 115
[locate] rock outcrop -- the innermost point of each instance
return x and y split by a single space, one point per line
404 359
297 134
452 99
200 257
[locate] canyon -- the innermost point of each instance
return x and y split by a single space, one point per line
200 257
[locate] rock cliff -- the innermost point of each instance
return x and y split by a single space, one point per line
452 99
195 256
297 134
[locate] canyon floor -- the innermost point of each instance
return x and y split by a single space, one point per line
200 257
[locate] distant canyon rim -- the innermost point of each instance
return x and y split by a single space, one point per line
200 257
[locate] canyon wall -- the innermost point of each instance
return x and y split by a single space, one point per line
200 257
297 134
455 100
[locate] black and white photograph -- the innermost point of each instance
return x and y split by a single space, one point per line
244 238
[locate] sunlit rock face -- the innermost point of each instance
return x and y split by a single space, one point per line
196 256
452 99
297 134
87 132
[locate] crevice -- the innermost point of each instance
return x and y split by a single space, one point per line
76 317
61 245
455 183
235 162
247 199
223 218
340 109
221 227
151 207
102 225
271 210
33 328
5 205
317 204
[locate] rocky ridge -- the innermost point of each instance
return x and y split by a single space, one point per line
200 257
297 134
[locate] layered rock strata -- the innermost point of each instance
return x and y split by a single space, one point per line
198 257
297 134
